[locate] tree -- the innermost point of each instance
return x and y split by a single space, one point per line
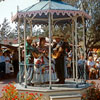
14 33
92 7
72 2
5 28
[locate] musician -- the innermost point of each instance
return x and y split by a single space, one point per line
42 45
30 49
61 45
41 65
29 58
39 62
28 45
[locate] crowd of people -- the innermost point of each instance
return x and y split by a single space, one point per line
93 66
37 62
8 63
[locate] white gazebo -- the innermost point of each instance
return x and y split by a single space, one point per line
51 13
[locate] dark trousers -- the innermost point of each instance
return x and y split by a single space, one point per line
2 69
81 72
16 67
69 72
59 67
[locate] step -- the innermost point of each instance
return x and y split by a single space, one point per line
66 97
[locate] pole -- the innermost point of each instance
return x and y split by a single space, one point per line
49 47
19 53
76 43
31 28
73 49
25 52
84 48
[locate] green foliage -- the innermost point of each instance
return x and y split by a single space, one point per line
11 93
98 54
93 93
5 28
92 7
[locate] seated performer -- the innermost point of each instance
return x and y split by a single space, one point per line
58 54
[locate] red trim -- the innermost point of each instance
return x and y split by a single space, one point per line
40 12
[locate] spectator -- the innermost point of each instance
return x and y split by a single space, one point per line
8 65
2 65
91 67
69 67
98 67
15 62
7 61
81 63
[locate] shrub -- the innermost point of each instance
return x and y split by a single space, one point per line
11 93
93 93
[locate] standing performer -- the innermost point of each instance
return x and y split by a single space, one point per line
29 58
41 65
58 54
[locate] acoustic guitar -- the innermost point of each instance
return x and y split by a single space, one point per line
57 50
57 53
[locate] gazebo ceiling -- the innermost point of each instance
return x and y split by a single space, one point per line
58 9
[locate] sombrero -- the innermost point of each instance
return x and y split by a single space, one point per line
34 37
29 38
59 36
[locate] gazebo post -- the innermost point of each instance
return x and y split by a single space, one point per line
25 52
30 28
84 48
76 59
49 47
73 49
19 53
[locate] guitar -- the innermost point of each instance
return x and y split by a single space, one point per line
57 50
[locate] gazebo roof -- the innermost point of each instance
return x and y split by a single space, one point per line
55 5
57 8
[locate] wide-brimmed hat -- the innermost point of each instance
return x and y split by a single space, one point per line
34 37
29 38
58 36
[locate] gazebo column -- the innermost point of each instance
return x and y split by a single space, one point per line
30 28
73 49
25 52
84 49
76 49
19 53
49 23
